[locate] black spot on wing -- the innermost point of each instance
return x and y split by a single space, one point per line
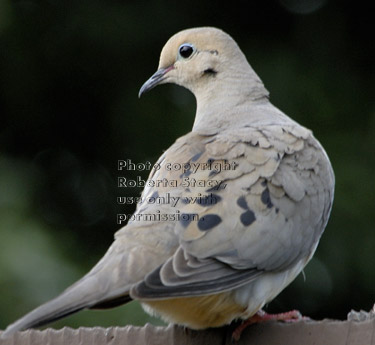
247 218
196 156
266 198
241 202
213 173
208 222
154 195
208 200
186 218
219 186
186 173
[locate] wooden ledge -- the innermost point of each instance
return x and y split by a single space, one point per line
327 332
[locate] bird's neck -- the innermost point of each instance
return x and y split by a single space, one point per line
227 100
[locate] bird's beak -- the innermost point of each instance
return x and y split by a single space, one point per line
155 79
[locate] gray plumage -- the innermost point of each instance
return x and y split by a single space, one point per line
256 233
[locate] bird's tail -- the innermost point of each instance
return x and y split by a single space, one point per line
93 290
106 285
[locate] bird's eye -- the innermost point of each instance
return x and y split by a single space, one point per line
186 50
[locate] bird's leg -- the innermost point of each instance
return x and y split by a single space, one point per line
262 316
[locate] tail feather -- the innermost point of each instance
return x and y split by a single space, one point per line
85 293
106 285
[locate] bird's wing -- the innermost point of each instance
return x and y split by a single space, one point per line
258 201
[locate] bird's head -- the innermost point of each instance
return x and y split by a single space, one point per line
194 58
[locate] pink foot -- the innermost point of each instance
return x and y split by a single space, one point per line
262 316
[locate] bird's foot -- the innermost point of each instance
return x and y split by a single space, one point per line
262 316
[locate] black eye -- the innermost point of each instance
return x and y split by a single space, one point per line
186 50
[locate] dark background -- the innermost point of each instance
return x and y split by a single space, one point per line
70 72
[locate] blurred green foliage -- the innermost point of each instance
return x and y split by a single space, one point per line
69 76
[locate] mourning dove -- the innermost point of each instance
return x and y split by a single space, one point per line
253 192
